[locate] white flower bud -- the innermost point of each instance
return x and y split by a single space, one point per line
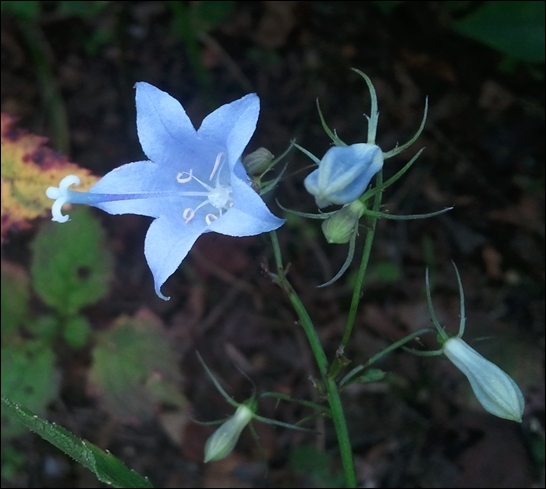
494 388
224 439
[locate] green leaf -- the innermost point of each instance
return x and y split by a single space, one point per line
135 369
46 328
28 10
71 265
76 331
368 375
28 377
106 467
12 462
15 294
513 28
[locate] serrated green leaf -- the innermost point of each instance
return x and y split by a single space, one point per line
71 266
15 294
135 369
106 467
28 377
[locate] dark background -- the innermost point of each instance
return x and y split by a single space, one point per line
69 75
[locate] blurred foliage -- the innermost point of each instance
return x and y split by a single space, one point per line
386 272
315 467
77 331
15 296
12 462
68 272
27 11
515 29
191 21
134 369
71 264
29 377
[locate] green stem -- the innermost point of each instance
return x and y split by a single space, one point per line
332 392
305 320
345 449
363 264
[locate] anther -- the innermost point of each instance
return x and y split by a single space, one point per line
219 160
180 178
188 214
209 218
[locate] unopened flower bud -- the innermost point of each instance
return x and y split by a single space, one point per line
257 162
340 227
344 173
494 389
223 440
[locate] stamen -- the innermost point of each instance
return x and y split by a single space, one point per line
209 218
180 178
188 214
217 163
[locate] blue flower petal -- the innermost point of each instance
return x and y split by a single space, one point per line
248 216
128 179
167 244
238 223
162 124
232 125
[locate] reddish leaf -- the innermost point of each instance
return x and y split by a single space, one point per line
28 169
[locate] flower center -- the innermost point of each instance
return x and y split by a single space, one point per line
219 196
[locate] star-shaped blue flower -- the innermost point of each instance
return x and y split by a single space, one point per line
193 183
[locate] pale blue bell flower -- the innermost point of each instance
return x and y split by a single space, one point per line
494 388
193 182
344 173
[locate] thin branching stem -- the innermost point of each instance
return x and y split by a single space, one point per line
332 392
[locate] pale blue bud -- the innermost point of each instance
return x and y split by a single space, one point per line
494 389
224 439
344 173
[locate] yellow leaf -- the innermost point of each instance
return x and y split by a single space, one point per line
28 169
